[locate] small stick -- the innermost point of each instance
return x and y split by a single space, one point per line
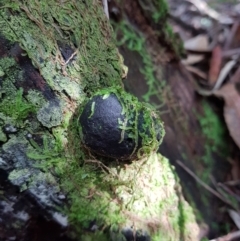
228 237
204 184
105 7
230 52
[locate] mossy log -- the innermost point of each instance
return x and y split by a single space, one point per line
195 132
53 56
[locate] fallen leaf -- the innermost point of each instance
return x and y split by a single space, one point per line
224 72
215 65
199 43
193 59
235 217
204 8
196 71
231 110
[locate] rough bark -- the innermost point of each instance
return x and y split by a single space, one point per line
53 56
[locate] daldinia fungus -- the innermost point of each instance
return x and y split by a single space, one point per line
114 124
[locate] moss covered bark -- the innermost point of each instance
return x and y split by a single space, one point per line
56 54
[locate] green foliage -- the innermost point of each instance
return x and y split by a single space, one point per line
6 64
161 10
16 106
49 153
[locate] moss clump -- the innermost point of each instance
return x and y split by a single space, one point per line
16 106
157 9
134 41
70 48
115 124
215 134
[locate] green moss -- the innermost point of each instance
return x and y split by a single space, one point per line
215 133
6 64
135 42
3 137
161 10
16 107
157 11
213 129
151 131
94 63
13 104
173 40
111 193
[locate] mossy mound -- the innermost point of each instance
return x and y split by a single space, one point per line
115 124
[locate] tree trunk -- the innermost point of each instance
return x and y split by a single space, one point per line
54 55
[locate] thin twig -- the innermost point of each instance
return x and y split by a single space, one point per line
229 191
71 57
204 184
105 7
204 8
228 237
223 189
232 183
230 52
101 165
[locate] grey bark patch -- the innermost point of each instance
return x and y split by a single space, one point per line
50 114
24 173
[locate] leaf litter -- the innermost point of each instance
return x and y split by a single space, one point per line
210 30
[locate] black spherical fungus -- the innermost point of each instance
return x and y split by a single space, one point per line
139 235
114 124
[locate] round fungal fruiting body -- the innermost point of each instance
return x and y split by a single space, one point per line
114 124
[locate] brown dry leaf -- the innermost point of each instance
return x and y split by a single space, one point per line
199 43
215 64
231 110
193 59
